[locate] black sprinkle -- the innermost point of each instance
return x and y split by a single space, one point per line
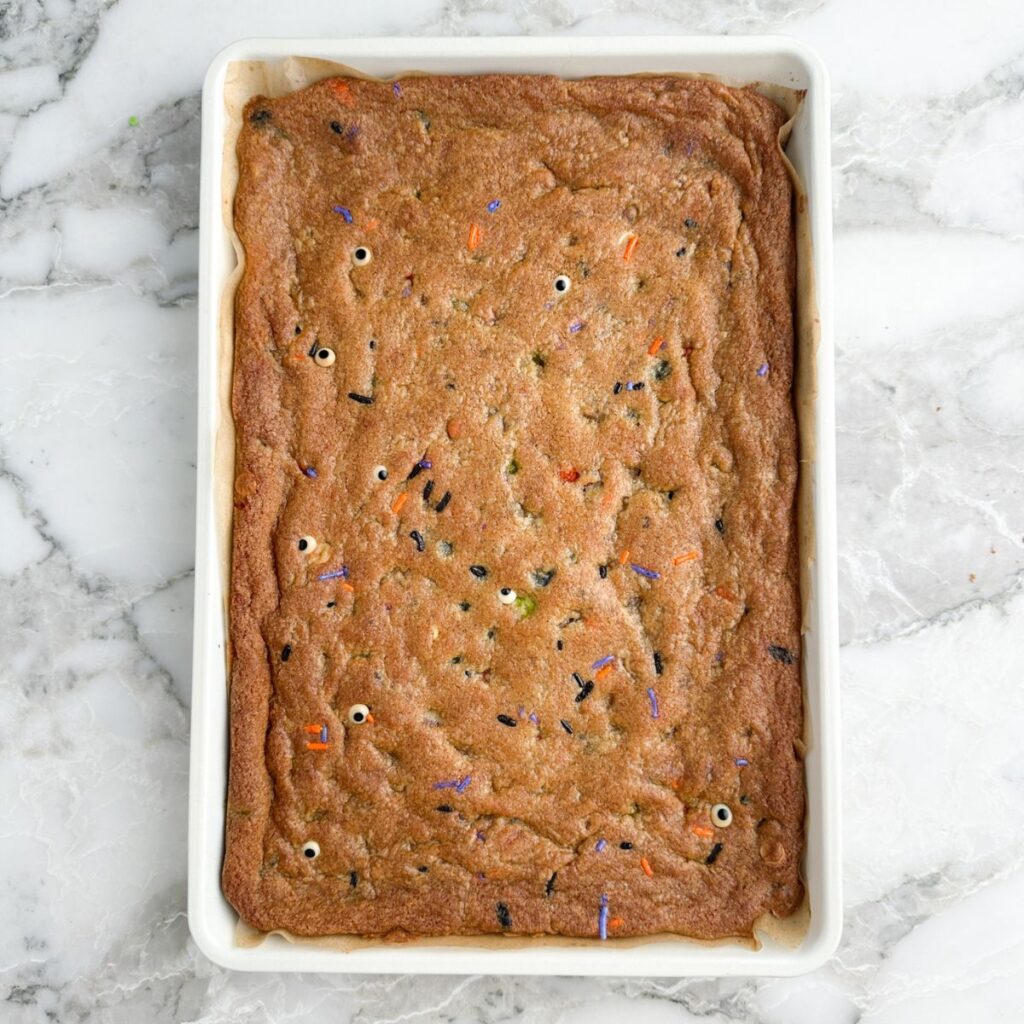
662 370
479 571
504 917
415 471
550 887
585 691
286 652
445 808
418 537
542 577
373 344
602 571
744 799
507 720
457 660
566 726
464 605
720 525
313 348
690 222
259 116
577 679
617 388
781 654
298 328
337 127
490 634
428 489
681 251
671 495
353 879
361 399
423 869
625 846
443 503
713 855
638 386
559 645
659 667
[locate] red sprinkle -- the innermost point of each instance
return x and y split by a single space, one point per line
570 476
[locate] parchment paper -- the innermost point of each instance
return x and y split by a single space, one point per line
245 79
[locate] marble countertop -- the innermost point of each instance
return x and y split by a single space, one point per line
99 144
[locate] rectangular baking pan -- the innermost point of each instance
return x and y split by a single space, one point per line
738 60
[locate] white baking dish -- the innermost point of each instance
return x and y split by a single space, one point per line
739 60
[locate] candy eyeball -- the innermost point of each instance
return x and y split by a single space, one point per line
361 256
562 284
721 816
311 850
307 544
506 595
324 357
358 714
380 473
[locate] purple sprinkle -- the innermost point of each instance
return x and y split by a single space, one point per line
425 464
719 657
741 762
603 661
481 876
346 213
480 836
396 88
654 702
406 291
463 783
522 711
649 573
334 574
310 472
534 718
323 733
601 844
446 784
602 917
762 370
493 205
352 132
576 325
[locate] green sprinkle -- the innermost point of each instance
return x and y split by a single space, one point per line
512 468
133 121
527 605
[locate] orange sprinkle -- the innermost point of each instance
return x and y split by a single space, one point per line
700 830
348 587
313 728
603 671
616 922
675 783
399 502
655 346
624 557
686 556
454 428
726 593
317 746
475 237
372 224
631 244
647 867
343 92
570 476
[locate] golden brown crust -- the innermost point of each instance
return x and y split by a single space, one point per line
476 364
